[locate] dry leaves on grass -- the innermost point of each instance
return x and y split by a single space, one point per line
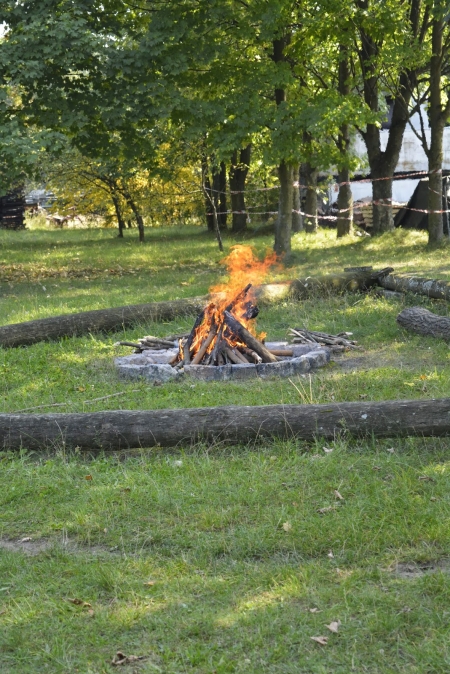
323 511
122 659
287 526
334 626
320 640
338 495
80 602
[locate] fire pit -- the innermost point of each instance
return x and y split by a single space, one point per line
223 343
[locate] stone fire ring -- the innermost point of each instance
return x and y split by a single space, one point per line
153 365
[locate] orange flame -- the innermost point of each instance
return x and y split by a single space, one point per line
244 268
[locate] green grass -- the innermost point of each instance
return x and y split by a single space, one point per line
231 588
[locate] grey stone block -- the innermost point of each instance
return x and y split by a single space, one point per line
300 365
240 372
302 349
319 357
208 372
149 371
283 368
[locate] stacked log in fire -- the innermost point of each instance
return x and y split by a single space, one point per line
222 334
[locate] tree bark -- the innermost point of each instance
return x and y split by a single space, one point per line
415 284
119 216
345 204
345 198
297 219
422 321
206 184
437 118
137 214
383 163
310 219
237 176
121 430
220 194
283 227
335 283
383 219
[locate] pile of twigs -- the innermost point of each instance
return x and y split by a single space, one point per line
150 343
336 343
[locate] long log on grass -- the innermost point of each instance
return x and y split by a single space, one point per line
436 288
109 320
99 320
124 429
424 322
353 281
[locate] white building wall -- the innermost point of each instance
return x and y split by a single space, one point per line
412 158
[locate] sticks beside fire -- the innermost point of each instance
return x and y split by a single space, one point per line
337 343
150 343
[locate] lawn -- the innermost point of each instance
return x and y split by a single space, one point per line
215 558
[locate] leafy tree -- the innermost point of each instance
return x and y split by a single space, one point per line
389 54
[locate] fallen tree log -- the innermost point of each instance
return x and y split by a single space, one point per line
99 320
108 320
358 280
438 289
423 322
151 428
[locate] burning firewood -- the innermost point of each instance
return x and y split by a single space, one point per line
248 339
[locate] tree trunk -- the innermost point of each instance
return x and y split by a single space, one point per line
437 289
437 119
297 219
345 204
119 216
237 177
208 195
383 163
137 214
345 198
220 194
124 429
310 217
383 219
422 321
283 227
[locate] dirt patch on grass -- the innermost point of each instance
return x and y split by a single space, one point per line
413 570
33 547
385 357
26 545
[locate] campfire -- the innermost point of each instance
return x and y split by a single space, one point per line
225 331
223 343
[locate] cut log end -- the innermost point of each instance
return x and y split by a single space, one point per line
424 322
